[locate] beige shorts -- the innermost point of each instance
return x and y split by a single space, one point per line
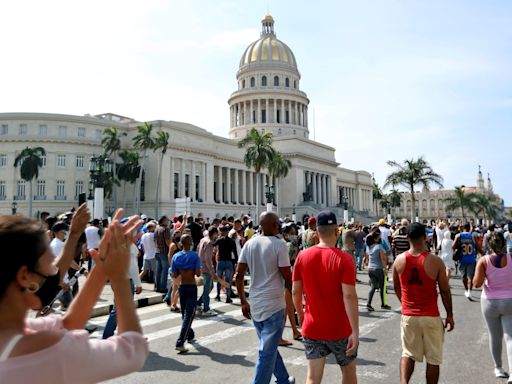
423 336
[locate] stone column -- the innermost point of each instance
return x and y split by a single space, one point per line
182 179
192 180
313 182
208 182
243 197
236 187
267 113
252 113
228 185
251 188
258 117
219 183
171 167
305 116
275 111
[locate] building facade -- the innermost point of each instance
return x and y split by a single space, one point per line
205 168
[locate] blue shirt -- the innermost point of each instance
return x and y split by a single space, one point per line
468 247
185 260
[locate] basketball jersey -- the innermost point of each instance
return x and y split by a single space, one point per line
468 248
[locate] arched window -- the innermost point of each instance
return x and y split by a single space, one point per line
264 81
253 82
287 83
243 83
276 81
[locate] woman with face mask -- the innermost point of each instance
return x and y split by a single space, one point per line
53 349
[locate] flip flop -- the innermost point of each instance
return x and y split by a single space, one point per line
298 338
285 343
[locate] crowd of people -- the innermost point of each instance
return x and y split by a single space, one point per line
305 273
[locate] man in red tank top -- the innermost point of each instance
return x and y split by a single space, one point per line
416 275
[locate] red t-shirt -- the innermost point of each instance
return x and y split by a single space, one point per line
322 270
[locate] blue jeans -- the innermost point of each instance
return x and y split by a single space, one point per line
359 257
225 268
270 361
188 300
204 300
111 325
162 266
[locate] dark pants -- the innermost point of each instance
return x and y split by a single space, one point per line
376 282
188 302
111 325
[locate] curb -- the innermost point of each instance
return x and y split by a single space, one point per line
104 309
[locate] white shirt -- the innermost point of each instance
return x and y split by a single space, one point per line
385 232
93 237
264 255
56 246
148 242
133 271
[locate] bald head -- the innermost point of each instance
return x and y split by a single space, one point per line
269 222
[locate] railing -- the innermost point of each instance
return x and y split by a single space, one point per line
18 197
60 197
40 197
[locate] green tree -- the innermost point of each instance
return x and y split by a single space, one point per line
461 200
395 198
486 204
411 173
143 141
160 144
30 160
111 143
258 155
279 167
128 170
377 195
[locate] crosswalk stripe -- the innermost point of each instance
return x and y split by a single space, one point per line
196 324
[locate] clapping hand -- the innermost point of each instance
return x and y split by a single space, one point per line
114 251
80 220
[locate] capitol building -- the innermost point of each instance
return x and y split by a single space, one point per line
198 165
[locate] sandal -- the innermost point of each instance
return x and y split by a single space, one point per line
285 343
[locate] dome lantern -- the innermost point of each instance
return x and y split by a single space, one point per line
267 26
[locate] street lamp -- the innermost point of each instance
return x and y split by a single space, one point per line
345 208
269 194
294 216
14 207
100 169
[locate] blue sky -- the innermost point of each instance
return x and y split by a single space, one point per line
387 80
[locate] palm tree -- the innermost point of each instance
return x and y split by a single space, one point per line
485 204
258 155
377 195
128 171
161 143
142 141
412 173
395 197
111 143
30 160
462 200
278 168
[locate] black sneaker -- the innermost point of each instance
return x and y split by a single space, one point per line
369 308
228 301
217 298
385 307
234 295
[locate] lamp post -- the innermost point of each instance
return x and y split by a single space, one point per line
345 208
14 207
269 194
100 168
294 216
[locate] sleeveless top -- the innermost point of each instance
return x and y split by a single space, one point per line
419 291
9 347
468 247
498 281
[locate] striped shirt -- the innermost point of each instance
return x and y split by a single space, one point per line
161 235
400 244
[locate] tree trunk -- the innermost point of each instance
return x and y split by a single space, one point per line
413 209
114 186
258 195
158 181
30 197
139 183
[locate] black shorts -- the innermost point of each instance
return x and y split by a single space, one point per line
316 349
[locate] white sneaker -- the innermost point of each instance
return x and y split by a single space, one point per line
467 294
210 312
500 373
181 349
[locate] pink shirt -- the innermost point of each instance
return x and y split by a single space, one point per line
498 281
76 358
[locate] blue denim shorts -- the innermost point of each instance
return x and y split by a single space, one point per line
316 349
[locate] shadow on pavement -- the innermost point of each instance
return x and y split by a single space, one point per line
156 362
363 362
223 358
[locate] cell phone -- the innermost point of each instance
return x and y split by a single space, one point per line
82 198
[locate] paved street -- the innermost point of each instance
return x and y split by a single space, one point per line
226 346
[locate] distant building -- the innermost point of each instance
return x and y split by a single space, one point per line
206 168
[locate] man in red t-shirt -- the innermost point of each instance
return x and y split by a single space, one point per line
330 321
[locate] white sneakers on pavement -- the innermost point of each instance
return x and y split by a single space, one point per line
501 374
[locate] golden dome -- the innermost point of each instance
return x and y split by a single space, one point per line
268 49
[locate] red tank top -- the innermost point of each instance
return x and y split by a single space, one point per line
419 291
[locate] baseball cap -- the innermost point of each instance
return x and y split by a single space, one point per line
382 222
326 218
416 231
143 217
312 220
